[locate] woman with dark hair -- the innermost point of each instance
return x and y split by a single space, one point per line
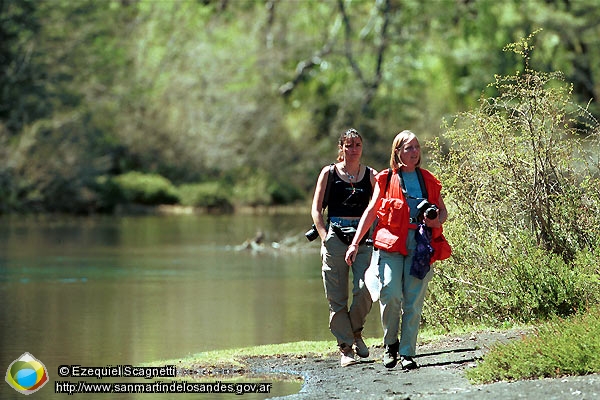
401 193
349 193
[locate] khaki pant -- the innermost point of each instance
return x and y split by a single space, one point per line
401 300
344 322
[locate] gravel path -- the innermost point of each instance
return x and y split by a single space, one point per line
440 375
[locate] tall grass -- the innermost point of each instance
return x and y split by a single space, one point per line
557 348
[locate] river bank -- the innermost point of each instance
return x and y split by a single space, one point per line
440 376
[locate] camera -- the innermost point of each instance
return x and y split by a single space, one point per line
427 210
312 233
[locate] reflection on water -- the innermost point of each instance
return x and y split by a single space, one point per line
108 291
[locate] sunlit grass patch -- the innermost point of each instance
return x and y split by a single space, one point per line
558 348
233 358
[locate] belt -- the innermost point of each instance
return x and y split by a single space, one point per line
344 222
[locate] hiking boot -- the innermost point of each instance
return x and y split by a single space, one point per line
407 362
347 355
360 347
390 356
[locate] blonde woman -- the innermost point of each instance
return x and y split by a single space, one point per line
399 192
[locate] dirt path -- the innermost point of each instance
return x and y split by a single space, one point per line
440 375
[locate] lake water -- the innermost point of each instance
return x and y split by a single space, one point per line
105 291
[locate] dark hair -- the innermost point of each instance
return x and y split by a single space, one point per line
349 134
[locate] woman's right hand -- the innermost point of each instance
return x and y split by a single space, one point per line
322 233
351 254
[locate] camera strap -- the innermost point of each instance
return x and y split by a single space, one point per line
403 186
422 183
328 187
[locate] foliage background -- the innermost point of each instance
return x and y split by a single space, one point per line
217 104
248 95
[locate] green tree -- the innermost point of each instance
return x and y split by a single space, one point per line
523 187
61 110
21 96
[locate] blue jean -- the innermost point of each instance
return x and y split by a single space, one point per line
344 322
401 295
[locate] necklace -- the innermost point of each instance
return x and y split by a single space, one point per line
351 177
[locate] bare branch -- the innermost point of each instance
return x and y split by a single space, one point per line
372 88
303 67
348 44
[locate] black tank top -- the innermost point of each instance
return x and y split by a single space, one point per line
343 202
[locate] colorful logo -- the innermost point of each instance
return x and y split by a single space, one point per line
26 374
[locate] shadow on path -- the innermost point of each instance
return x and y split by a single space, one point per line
446 358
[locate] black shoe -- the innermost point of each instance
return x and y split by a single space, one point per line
407 362
390 357
360 348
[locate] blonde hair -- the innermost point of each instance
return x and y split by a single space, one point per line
348 135
399 141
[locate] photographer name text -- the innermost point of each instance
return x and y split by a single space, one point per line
117 371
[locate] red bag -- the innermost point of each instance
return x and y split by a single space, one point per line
386 239
383 238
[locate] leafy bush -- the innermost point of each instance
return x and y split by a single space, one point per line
210 195
108 193
53 165
284 193
253 191
522 186
264 188
147 189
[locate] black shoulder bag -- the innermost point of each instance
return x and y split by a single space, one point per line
312 233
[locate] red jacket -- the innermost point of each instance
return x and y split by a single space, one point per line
393 212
